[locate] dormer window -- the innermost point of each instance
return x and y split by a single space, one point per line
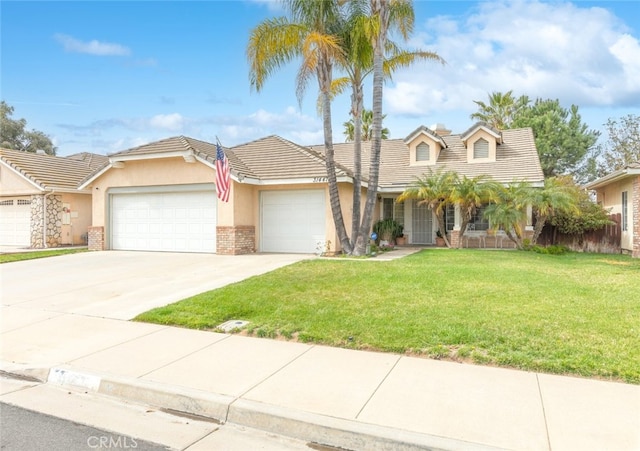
423 152
481 142
481 149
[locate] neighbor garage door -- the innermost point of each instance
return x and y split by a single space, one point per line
15 222
292 221
164 221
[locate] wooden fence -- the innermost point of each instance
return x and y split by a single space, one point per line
605 240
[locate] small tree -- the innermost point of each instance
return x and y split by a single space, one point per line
433 189
555 196
367 117
501 109
13 134
562 139
623 145
509 211
588 216
469 194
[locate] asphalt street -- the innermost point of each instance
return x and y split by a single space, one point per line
22 430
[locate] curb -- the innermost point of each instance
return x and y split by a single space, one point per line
311 427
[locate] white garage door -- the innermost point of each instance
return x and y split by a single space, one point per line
292 221
164 221
15 222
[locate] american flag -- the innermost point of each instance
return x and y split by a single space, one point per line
223 179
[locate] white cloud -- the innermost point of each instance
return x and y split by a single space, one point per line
93 47
171 122
581 55
290 124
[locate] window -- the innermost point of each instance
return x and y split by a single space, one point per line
625 225
478 222
423 152
387 208
24 202
6 202
449 217
481 148
398 212
393 210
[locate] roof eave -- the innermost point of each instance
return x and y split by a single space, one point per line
91 179
186 154
613 177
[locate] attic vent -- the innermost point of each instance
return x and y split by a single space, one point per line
422 152
24 202
481 148
6 202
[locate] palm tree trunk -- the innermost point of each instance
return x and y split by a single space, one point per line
379 8
443 228
356 112
324 80
537 229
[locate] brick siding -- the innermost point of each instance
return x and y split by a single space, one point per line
96 238
235 240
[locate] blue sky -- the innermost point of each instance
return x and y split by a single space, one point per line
106 76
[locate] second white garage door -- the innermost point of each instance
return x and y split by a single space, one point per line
15 222
164 221
292 221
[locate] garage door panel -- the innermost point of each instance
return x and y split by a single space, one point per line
180 222
292 221
15 222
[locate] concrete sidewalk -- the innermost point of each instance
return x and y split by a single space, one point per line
344 398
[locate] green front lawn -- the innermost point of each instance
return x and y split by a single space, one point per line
19 256
568 314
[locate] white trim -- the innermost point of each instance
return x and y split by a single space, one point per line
613 177
151 156
95 176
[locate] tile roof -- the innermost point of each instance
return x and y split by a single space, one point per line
516 159
275 158
47 171
94 161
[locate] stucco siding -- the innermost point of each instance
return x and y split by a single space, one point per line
12 184
611 199
74 231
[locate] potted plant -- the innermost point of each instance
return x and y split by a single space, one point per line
399 237
387 230
439 239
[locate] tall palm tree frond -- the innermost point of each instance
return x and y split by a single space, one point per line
272 44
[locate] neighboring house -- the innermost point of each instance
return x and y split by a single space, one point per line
40 204
620 192
161 196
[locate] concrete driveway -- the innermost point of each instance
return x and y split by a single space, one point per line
121 284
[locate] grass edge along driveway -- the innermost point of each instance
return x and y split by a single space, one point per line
575 314
20 256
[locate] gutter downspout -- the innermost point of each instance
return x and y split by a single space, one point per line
44 219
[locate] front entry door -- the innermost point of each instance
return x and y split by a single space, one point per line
422 224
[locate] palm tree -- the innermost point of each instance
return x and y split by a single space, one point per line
501 109
360 36
469 194
310 34
366 118
385 15
509 211
554 197
434 190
